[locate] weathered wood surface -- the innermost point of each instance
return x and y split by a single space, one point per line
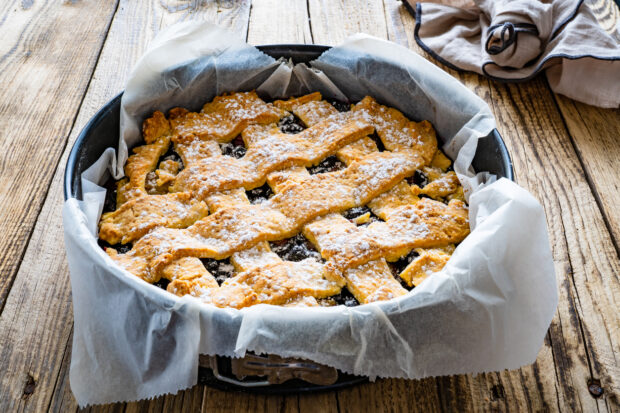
595 133
563 152
39 98
38 313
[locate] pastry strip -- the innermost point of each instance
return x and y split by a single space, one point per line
157 133
136 218
428 261
239 230
274 151
223 118
235 229
372 281
257 261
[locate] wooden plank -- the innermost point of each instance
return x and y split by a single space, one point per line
582 334
596 136
333 21
216 401
35 328
271 21
318 402
587 265
44 72
62 398
391 395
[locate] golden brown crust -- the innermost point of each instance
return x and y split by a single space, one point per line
441 161
396 131
137 217
290 104
428 261
442 187
290 279
235 229
188 276
171 232
424 224
274 151
224 118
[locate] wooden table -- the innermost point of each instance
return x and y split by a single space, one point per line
61 61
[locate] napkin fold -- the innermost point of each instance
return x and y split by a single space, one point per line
576 42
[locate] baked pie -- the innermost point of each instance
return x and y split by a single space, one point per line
299 202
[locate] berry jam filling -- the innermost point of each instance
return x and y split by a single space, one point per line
220 269
340 105
419 178
378 141
120 248
162 283
291 124
234 148
356 212
260 194
329 164
295 249
398 266
345 298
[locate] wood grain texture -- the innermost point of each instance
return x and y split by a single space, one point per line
596 137
35 328
333 21
531 388
273 22
219 401
587 265
44 73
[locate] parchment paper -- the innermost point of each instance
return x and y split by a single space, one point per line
487 310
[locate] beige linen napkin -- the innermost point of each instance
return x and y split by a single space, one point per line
576 43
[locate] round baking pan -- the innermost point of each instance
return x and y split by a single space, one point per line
101 132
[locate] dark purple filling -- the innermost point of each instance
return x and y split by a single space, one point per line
234 148
296 248
260 194
340 105
120 248
162 283
329 164
378 141
220 269
291 124
356 212
345 298
398 266
419 178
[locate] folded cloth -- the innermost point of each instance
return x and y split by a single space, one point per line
576 43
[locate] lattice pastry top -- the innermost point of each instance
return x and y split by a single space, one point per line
298 202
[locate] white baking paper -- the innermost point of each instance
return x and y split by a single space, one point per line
487 310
